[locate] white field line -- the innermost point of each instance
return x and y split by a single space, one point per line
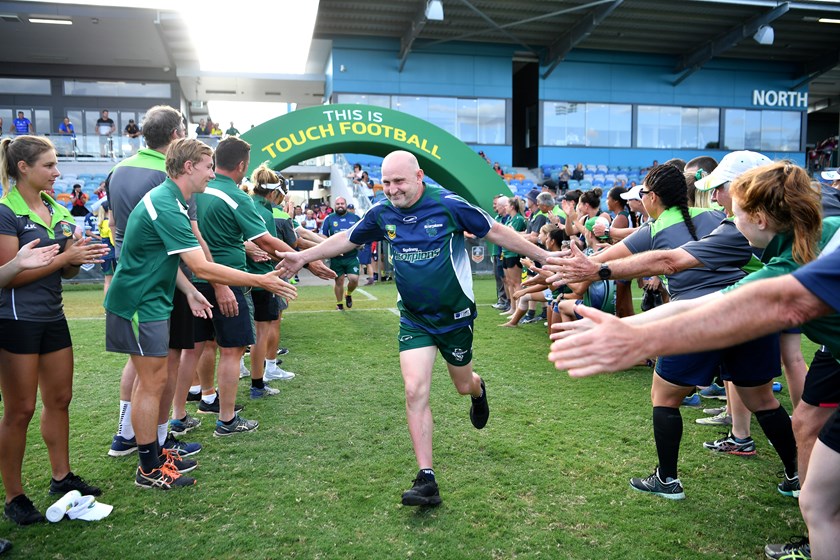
366 294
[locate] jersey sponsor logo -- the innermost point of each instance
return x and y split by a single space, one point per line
431 227
66 229
461 314
391 231
410 220
412 257
459 354
477 254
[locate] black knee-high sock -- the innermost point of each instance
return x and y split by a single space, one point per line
667 432
778 429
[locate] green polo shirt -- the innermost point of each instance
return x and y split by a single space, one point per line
518 224
227 218
778 261
265 210
39 300
157 232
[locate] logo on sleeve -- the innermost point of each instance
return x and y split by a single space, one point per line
391 231
66 229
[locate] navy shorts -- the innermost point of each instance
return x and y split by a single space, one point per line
822 384
750 364
34 337
228 332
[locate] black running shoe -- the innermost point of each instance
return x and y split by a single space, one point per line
164 478
479 410
671 489
789 486
213 408
22 511
423 493
73 482
348 300
177 462
796 549
194 397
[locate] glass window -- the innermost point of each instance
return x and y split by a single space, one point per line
775 131
415 106
708 129
25 86
7 116
468 120
364 99
586 124
443 112
491 121
42 121
117 89
677 127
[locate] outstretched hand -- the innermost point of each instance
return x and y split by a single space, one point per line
610 345
576 267
274 282
290 263
30 257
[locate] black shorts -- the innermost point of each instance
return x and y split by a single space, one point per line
511 262
228 332
822 384
266 308
181 324
830 433
34 337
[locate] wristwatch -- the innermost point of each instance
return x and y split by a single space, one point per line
604 272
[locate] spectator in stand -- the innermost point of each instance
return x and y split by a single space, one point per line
310 222
356 175
66 144
498 169
215 130
105 128
78 210
577 174
321 213
484 156
100 191
202 129
563 178
109 261
298 215
23 125
232 131
133 133
67 128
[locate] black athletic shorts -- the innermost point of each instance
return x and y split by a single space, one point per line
181 324
511 262
822 384
266 306
830 433
34 337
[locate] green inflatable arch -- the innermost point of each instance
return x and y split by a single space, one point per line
328 129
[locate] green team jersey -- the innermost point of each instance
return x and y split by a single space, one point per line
778 261
265 211
518 224
227 218
157 232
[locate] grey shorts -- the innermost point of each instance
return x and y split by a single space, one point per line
140 339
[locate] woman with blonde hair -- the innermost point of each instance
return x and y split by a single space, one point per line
35 347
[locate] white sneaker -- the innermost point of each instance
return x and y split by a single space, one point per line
278 373
243 371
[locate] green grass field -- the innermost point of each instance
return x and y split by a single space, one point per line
322 477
